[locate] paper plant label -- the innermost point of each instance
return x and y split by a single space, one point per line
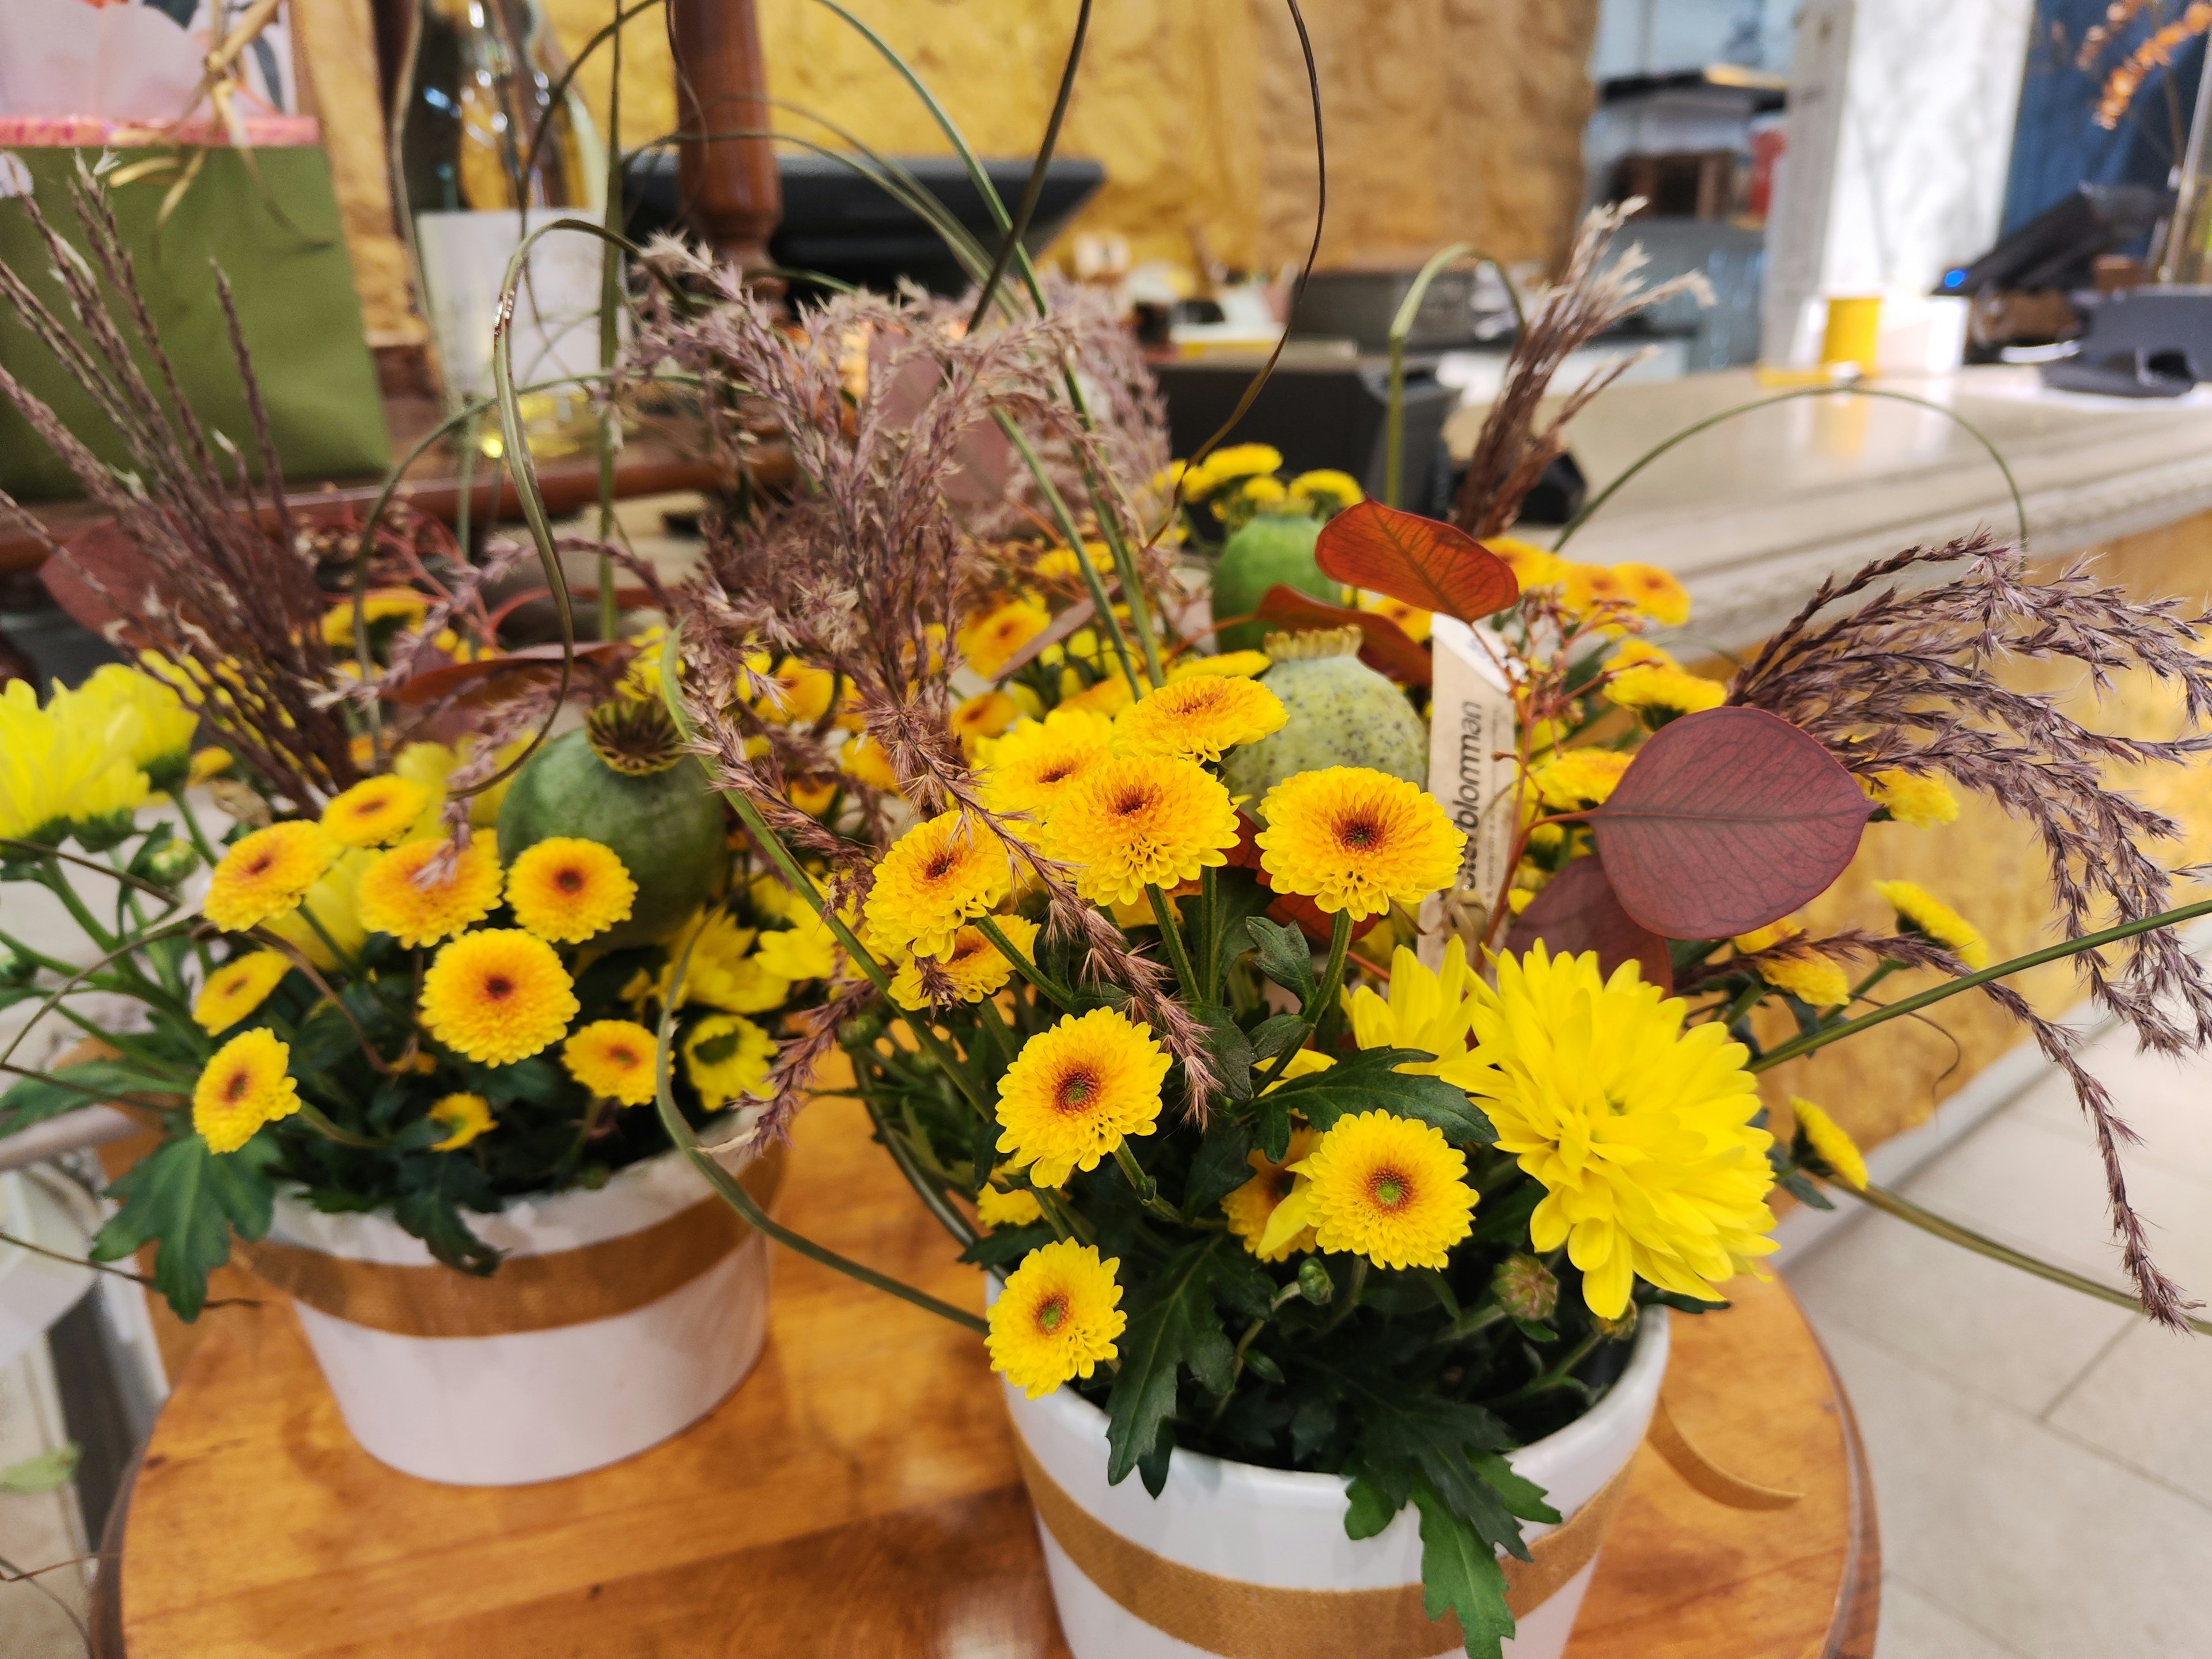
1471 746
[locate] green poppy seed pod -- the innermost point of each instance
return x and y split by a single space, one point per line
1525 1288
170 863
1272 551
1341 713
1314 1282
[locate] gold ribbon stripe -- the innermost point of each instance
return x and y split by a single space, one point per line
527 1292
1239 1620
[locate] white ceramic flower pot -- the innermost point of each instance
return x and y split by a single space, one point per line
1233 1560
618 1318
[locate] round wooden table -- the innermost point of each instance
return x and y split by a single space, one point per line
858 1496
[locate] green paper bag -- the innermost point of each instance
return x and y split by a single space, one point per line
296 305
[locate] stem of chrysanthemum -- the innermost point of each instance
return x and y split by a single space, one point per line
1209 925
1807 1042
1109 624
51 878
200 842
312 1116
1557 1377
1054 993
1350 1296
1062 1218
1171 941
930 1192
1744 1003
1148 1190
345 959
1332 981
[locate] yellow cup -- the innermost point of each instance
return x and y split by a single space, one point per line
1853 322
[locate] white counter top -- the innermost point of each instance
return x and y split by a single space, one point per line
1752 514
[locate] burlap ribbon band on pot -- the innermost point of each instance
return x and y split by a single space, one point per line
527 1292
1264 1621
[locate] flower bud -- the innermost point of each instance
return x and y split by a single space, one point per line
15 968
1314 1282
170 863
1525 1288
1620 1329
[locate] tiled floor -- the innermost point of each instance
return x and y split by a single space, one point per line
2042 1460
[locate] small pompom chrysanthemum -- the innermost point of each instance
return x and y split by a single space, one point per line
1018 1208
427 890
613 1058
247 1084
974 966
1654 592
1923 802
1028 769
1357 841
1834 1147
1244 663
1816 981
464 1118
497 996
1580 777
1200 717
1384 1187
1141 820
569 890
1057 1318
939 876
727 1057
1076 1091
1252 1206
376 812
988 641
264 876
1923 913
238 987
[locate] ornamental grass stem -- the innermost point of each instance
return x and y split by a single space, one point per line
1147 1189
1171 941
1052 991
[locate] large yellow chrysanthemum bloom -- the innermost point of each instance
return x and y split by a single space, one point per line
1663 687
798 694
1925 803
247 1084
986 642
1531 566
428 891
1030 768
569 890
727 1058
973 965
724 971
1639 1129
465 1117
1357 840
1135 821
939 876
863 759
1920 911
265 874
1109 696
1076 1091
238 987
1328 489
66 767
1816 981
1252 1206
613 1058
1430 1011
1198 718
155 733
805 950
1057 1318
375 812
1387 1187
497 996
1834 1147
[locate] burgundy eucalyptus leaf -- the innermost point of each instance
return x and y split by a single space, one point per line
1727 820
1579 911
1383 645
1421 561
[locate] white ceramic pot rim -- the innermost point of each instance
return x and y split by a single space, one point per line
1198 1475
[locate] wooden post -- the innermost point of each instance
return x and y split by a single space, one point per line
730 194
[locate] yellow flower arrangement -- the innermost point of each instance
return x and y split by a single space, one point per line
1057 1319
1109 696
1654 592
428 891
724 971
465 1117
938 877
569 890
1578 777
248 1083
982 717
1816 981
1135 821
400 605
1076 1091
1920 912
265 874
1243 663
374 812
238 987
1229 462
798 694
1429 1009
613 1058
326 924
1328 489
1357 841
1531 566
863 759
1655 682
1198 718
497 996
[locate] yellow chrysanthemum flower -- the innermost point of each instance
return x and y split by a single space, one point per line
569 890
1818 981
1252 1206
864 758
1378 1185
982 717
1018 1208
1531 566
1925 803
497 996
1243 664
1230 462
612 1058
727 1058
1411 620
724 972
807 949
1429 1009
238 987
376 812
333 905
1076 1091
1058 564
1357 840
145 721
988 642
1639 1129
428 891
247 1084
400 605
1589 589
973 965
1654 592
1027 769
265 874
938 877
1328 489
1109 696
1057 1318
1198 718
1578 777
1920 911
1766 938
1135 821
207 763
798 694
1834 1147
1664 687
465 1117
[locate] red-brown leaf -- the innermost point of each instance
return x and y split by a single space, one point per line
1727 820
1579 911
1420 561
1384 646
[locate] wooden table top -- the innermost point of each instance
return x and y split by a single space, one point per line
858 1496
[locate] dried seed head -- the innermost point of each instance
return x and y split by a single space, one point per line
634 739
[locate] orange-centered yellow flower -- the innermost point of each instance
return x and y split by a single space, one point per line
972 969
238 987
1357 841
465 1117
1252 1206
1135 821
569 889
614 1058
1028 769
1200 717
247 1084
938 877
265 873
376 812
428 891
1057 1318
988 641
497 996
1380 1186
1075 1091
